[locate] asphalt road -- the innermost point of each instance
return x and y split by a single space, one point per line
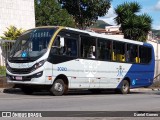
82 101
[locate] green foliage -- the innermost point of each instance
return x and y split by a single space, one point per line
49 12
133 26
12 33
86 12
2 70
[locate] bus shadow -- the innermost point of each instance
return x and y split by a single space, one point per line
105 92
70 93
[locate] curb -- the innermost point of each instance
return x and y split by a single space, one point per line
1 90
10 90
155 89
146 89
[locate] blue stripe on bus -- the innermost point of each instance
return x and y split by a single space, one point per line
140 75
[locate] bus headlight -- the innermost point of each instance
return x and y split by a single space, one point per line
39 64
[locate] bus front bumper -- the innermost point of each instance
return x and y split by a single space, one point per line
37 79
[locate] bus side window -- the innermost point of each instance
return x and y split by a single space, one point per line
104 49
70 47
88 45
118 51
145 54
56 46
132 53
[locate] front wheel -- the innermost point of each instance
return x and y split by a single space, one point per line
59 88
125 88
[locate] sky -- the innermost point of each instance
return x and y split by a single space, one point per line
151 7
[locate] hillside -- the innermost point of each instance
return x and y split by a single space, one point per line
156 32
100 24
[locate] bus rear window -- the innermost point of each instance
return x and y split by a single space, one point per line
145 54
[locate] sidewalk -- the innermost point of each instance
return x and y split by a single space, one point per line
144 89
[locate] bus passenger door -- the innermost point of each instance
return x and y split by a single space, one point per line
88 62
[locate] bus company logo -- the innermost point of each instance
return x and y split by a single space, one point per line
90 67
24 54
6 114
133 82
120 71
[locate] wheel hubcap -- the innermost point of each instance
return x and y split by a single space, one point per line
58 87
125 87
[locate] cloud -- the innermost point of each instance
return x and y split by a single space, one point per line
109 17
157 6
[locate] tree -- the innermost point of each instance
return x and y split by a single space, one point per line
12 33
133 26
85 12
49 12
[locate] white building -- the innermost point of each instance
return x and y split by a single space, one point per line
19 13
112 28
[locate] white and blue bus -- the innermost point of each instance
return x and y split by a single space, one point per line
60 59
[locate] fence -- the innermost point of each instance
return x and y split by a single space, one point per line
5 48
157 70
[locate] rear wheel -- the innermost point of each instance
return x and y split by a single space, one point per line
59 88
125 87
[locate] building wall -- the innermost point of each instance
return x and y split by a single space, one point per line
19 13
112 28
156 47
117 36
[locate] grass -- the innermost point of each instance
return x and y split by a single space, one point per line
2 71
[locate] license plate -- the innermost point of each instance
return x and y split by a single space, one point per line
18 78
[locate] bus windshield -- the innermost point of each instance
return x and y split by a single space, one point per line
32 44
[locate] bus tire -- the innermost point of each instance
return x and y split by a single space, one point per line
59 88
125 87
27 90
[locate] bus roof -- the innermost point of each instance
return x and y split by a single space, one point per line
109 37
100 35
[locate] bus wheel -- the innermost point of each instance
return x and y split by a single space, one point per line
59 88
27 90
124 87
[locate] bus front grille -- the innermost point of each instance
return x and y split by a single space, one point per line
20 71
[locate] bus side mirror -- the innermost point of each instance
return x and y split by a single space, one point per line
61 41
